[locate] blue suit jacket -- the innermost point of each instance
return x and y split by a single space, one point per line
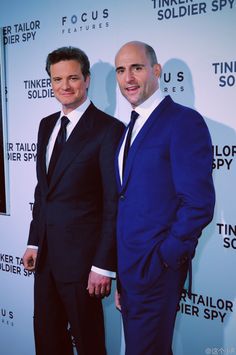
167 195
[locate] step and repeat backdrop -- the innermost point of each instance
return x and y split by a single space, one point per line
195 43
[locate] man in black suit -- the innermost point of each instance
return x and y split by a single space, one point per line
71 243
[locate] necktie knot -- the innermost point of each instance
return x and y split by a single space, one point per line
61 138
134 116
64 121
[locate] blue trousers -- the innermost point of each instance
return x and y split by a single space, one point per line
149 315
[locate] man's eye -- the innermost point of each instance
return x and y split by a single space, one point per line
138 68
74 78
120 71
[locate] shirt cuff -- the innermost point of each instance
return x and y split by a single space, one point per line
32 247
103 272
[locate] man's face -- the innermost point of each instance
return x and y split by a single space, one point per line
68 84
137 79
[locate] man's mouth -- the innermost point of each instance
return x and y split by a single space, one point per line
68 93
132 88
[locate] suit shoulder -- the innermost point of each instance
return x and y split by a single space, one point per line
182 109
49 118
189 123
183 113
107 120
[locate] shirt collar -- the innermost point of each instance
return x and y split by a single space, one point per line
75 115
146 108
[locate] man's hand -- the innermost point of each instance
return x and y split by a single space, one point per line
29 259
98 285
117 300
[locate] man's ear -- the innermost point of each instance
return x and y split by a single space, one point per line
157 70
87 80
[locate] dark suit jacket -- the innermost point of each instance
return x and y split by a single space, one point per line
76 212
167 195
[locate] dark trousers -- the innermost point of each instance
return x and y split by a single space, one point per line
149 316
63 311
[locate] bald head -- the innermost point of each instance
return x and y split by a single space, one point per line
137 71
141 46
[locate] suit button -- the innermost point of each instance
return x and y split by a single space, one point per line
122 197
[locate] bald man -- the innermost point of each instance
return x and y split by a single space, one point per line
164 176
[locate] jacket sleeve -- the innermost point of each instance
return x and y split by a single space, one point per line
191 162
105 256
33 238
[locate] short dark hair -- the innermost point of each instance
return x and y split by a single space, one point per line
151 54
69 53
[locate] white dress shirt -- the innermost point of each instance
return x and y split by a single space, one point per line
74 117
144 110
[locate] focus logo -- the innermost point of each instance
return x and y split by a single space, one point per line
85 21
172 81
7 317
176 81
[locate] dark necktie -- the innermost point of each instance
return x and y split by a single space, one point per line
58 146
133 118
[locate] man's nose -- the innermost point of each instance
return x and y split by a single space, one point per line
129 76
65 84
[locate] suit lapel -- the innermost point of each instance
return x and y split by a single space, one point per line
141 136
76 141
117 172
45 134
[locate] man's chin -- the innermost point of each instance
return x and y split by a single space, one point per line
132 100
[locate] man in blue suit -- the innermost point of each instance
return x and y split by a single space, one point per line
166 199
